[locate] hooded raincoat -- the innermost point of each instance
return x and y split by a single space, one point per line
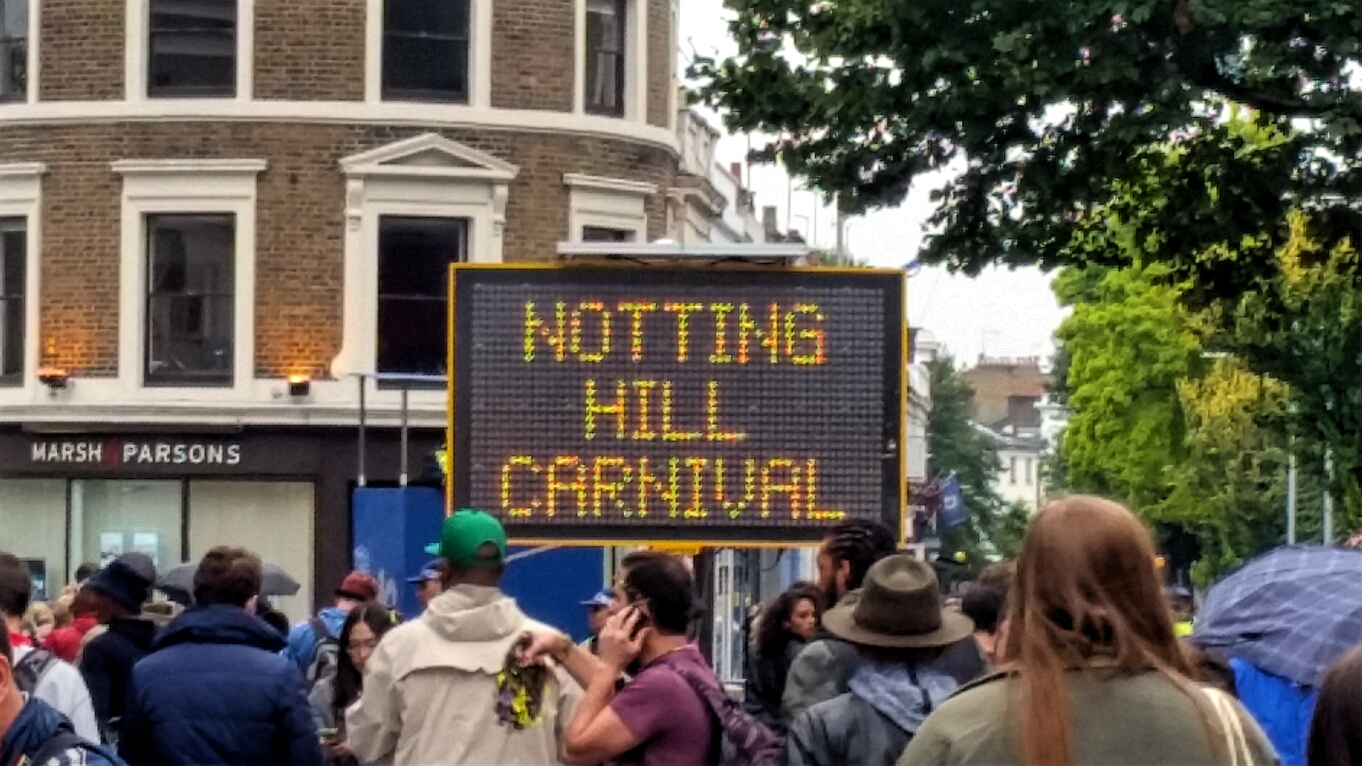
430 689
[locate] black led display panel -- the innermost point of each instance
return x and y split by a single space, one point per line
677 404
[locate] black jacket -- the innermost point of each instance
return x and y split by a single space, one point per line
106 662
765 684
215 690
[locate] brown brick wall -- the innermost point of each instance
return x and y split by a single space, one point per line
80 50
309 51
300 249
660 61
532 54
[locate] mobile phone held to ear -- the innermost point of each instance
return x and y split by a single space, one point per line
642 623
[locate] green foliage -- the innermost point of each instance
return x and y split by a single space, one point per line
956 445
1044 104
1128 346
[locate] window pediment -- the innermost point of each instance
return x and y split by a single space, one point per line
430 156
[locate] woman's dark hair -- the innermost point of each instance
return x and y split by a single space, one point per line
667 586
228 576
1336 729
860 543
349 681
772 635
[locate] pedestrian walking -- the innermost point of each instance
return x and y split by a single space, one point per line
32 732
39 622
782 630
429 582
214 689
900 627
364 627
822 669
118 592
65 642
39 672
658 717
312 645
447 687
597 613
984 606
1096 675
1336 727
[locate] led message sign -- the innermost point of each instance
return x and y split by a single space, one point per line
620 404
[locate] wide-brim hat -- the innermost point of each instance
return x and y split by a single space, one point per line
900 607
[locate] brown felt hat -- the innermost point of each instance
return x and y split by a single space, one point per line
900 608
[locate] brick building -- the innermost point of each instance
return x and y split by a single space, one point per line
203 199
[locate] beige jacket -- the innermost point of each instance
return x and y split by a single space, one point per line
430 690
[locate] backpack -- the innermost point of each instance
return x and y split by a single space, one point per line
29 671
65 740
325 655
743 740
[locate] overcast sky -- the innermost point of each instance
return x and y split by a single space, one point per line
1000 313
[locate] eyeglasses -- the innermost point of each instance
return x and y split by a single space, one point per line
359 646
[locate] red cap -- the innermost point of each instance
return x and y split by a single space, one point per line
360 586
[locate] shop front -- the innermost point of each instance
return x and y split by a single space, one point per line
72 497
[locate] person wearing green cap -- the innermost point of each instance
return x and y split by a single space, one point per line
448 687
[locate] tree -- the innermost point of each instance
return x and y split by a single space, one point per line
1128 345
1043 104
955 445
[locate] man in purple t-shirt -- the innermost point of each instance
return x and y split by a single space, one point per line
656 719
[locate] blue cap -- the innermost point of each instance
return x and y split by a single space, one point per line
431 571
602 599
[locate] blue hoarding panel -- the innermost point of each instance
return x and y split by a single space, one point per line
391 529
550 584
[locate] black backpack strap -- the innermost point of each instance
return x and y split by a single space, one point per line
56 745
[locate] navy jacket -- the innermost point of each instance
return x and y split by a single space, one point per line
37 723
215 690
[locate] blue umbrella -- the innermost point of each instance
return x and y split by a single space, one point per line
1292 611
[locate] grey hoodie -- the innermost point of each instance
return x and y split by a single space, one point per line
430 689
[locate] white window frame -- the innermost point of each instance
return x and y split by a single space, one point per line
427 176
610 203
32 62
21 197
158 187
635 61
137 53
479 54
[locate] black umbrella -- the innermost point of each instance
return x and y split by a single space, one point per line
178 583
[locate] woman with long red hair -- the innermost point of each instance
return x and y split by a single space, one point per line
1093 673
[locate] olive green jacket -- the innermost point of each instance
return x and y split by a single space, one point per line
1118 720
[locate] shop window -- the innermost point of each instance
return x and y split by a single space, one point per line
110 518
413 261
272 519
190 297
13 276
33 527
13 49
606 35
606 234
425 50
192 48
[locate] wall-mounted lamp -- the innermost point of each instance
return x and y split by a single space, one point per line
52 377
299 386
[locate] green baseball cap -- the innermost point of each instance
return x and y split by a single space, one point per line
464 533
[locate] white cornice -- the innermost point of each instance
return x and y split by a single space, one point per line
22 169
339 112
187 166
618 185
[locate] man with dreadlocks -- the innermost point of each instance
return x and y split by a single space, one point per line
449 687
824 667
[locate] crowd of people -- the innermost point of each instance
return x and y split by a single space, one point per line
1068 656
